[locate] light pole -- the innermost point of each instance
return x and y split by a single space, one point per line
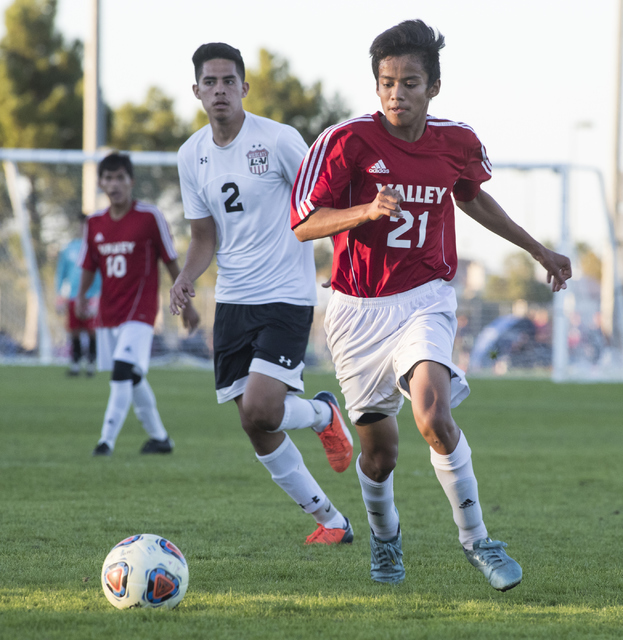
93 130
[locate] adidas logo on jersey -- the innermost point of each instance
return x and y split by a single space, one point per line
378 167
99 237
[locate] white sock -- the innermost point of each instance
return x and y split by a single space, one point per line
456 475
299 413
288 471
117 409
146 410
329 516
379 500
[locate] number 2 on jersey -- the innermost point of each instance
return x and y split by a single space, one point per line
230 204
394 239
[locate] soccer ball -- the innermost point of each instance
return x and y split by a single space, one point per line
145 571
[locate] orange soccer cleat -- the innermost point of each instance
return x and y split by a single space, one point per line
336 438
322 535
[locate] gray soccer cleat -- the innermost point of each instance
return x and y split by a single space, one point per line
489 557
386 561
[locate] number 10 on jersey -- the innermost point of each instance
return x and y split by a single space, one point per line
116 266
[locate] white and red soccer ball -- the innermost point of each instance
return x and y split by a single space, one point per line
145 571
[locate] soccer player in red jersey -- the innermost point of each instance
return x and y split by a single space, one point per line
381 185
124 242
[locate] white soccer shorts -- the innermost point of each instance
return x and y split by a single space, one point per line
374 342
129 342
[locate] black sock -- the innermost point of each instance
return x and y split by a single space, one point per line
76 349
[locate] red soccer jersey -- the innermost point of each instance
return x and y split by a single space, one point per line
347 166
126 252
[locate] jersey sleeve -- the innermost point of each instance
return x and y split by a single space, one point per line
86 259
324 174
291 150
477 170
163 238
194 206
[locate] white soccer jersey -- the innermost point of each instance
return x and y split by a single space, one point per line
246 188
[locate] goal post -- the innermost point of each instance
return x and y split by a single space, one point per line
564 351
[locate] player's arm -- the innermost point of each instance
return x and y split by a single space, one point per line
324 222
487 212
86 280
190 317
200 253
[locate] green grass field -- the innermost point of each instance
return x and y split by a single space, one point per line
547 457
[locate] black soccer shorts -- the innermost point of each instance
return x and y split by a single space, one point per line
276 333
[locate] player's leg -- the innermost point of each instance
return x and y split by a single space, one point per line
378 435
279 352
120 396
321 413
261 408
361 335
76 354
92 354
73 327
430 389
134 345
90 326
271 340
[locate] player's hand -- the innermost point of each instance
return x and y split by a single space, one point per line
180 294
61 304
190 317
81 308
558 268
386 203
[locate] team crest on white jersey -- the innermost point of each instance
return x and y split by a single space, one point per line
258 161
99 237
378 167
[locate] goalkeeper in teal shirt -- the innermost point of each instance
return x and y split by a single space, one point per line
67 284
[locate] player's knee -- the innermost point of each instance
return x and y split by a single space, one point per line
261 415
379 464
122 371
436 427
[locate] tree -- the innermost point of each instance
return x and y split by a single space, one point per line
40 80
150 126
277 94
590 263
41 103
518 283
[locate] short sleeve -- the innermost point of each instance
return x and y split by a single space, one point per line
324 174
291 150
194 206
85 257
163 238
477 170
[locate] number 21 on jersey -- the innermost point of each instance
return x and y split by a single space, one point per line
393 237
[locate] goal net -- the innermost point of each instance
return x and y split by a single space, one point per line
509 324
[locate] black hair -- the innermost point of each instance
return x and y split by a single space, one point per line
411 37
214 50
115 161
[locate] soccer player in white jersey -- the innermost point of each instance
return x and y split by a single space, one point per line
236 176
124 243
381 185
